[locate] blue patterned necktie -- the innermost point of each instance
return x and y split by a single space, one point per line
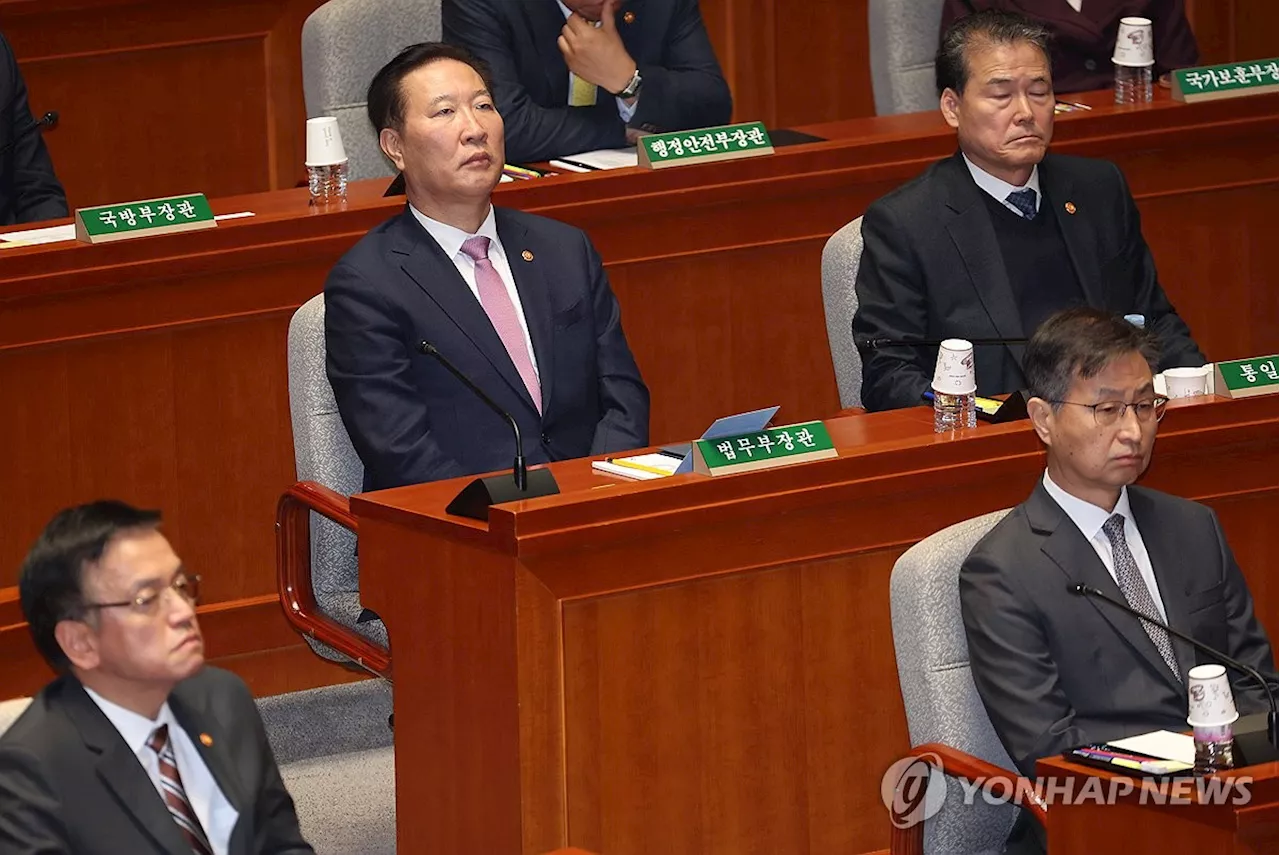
1025 201
1135 590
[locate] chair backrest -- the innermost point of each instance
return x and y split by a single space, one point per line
903 44
10 710
840 258
941 702
344 43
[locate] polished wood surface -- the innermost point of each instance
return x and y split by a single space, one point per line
154 369
1157 817
705 664
158 98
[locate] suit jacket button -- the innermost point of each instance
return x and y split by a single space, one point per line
546 440
1091 64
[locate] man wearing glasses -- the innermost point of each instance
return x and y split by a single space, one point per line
1056 670
135 747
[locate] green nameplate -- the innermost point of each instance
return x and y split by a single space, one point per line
763 449
730 142
148 217
1226 81
1244 378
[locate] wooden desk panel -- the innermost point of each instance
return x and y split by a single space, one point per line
706 665
154 369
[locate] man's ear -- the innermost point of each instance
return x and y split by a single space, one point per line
949 104
1042 415
391 144
78 642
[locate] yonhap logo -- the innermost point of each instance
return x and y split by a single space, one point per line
913 789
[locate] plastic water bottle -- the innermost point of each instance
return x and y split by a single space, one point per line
951 412
1214 748
1133 84
328 183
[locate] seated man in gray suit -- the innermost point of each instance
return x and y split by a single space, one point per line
136 747
994 239
1056 670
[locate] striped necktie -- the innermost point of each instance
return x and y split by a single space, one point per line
1135 590
175 797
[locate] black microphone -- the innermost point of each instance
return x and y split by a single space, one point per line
877 343
48 120
1235 665
476 497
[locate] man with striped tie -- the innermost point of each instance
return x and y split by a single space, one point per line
136 747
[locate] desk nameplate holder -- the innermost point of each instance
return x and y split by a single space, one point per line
106 223
1231 80
729 142
763 449
1244 378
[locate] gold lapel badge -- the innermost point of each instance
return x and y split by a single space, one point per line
527 255
206 740
629 17
1071 207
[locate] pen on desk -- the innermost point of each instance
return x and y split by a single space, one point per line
627 464
1075 104
573 165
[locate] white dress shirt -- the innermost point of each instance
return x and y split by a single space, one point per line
625 110
1089 518
217 816
1000 190
1076 4
451 239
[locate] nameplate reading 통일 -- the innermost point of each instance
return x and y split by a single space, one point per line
658 151
1245 378
763 449
147 217
1232 80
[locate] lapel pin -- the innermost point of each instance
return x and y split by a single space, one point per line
629 17
206 740
527 255
1071 207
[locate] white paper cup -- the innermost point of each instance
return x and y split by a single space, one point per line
324 142
1133 43
953 373
1209 699
1186 382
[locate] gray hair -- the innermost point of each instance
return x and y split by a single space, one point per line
989 27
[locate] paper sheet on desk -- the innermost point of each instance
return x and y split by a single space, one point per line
1164 744
56 234
607 158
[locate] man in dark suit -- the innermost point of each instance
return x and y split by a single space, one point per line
588 74
519 303
136 747
991 241
29 191
1057 670
1084 34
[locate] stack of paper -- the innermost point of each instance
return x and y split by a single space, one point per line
641 467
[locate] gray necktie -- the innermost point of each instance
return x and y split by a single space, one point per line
1135 590
1025 201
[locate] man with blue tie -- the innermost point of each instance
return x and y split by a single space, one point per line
519 303
991 241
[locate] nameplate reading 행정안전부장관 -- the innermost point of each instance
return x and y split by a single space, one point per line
147 217
730 142
1244 378
763 449
1232 80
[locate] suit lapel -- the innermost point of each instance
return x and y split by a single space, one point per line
974 237
1165 562
120 770
1080 565
545 21
1076 229
425 263
535 297
197 723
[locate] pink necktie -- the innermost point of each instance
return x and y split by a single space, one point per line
502 314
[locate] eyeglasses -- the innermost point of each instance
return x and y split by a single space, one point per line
1108 413
147 602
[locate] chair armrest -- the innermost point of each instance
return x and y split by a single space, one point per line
293 573
960 764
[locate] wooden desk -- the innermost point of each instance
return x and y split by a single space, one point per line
705 664
154 369
1160 817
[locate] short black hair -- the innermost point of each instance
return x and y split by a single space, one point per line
1080 342
385 100
50 583
988 27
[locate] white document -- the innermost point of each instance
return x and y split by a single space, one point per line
1164 744
52 234
605 158
641 467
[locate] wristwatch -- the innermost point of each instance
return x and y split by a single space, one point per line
632 89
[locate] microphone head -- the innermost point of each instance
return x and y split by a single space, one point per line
50 119
427 348
1079 590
